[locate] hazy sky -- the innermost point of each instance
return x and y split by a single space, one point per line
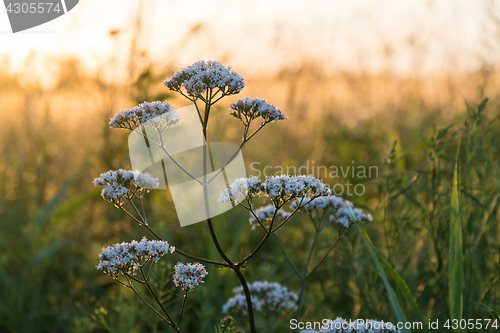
404 36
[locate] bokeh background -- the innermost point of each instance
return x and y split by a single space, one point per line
376 83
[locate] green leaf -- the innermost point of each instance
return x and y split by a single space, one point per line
456 263
392 297
402 286
78 202
47 211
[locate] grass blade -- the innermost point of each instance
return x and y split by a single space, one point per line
402 286
392 297
456 269
47 211
78 202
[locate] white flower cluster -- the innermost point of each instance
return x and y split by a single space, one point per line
154 114
346 216
189 276
145 180
124 184
279 189
340 325
241 188
203 75
270 296
343 214
128 257
248 109
266 213
239 302
321 203
287 187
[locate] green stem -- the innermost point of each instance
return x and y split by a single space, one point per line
197 110
245 140
135 208
259 246
233 267
299 205
143 224
248 298
162 147
304 273
286 257
241 262
217 244
324 257
147 303
148 286
249 208
182 307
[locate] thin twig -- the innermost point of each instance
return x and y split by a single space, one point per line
182 308
162 147
159 303
147 303
233 267
286 257
324 257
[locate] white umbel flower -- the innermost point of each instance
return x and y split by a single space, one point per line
237 192
124 184
188 276
279 189
248 109
145 180
266 296
347 216
127 258
321 203
151 113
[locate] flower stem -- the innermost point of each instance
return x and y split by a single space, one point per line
231 265
286 257
144 224
326 254
172 323
271 230
147 303
182 308
248 298
304 273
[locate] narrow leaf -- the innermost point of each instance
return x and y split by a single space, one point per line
392 297
402 286
456 269
46 212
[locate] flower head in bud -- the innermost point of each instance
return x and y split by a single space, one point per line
227 325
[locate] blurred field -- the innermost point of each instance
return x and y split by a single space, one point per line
55 139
